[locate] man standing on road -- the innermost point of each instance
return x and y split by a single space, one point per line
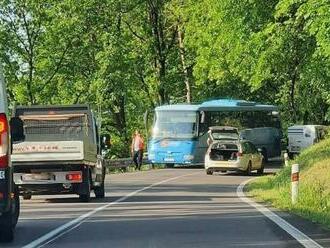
137 149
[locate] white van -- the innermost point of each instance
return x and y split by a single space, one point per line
303 136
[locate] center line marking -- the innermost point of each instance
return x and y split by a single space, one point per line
54 234
302 238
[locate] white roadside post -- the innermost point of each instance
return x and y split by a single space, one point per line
294 183
286 159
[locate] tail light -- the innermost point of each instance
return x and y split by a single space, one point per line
239 154
4 141
75 176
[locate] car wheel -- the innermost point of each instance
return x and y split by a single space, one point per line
262 168
248 171
209 172
7 233
291 155
265 155
9 220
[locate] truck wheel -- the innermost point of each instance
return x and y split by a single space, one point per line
9 220
100 191
86 197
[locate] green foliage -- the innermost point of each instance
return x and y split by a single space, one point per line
126 57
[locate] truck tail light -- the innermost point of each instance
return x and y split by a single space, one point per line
4 141
75 176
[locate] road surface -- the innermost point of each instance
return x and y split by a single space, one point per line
159 208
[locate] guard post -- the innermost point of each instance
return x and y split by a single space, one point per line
294 183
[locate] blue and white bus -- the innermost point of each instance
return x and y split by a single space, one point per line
179 133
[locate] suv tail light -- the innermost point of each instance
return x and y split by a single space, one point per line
239 154
4 141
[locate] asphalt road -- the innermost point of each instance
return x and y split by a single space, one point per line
162 208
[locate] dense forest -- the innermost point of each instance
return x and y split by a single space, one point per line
124 57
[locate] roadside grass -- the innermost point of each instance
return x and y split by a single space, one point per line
314 185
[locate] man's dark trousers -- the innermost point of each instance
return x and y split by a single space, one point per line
137 158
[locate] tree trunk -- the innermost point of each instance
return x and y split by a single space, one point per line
156 23
30 80
183 61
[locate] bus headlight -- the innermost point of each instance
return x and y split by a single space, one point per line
188 157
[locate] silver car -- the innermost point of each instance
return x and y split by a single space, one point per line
227 152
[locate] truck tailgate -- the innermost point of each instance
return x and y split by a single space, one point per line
48 151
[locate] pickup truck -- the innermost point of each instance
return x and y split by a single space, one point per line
9 198
61 152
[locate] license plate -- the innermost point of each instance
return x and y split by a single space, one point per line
169 159
37 177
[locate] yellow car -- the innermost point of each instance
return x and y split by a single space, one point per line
227 152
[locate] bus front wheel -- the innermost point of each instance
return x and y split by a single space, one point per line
169 166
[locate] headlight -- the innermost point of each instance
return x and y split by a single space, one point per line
188 157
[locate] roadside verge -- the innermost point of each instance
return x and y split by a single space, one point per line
314 186
302 238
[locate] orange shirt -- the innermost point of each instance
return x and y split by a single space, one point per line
137 143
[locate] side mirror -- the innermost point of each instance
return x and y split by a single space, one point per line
16 129
105 141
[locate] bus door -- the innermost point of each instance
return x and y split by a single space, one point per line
202 146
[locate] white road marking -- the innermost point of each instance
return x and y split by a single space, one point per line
302 238
80 208
58 232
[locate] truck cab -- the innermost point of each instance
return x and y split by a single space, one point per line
9 198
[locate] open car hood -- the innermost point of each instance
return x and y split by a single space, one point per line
219 133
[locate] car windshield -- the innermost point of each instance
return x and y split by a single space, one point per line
175 124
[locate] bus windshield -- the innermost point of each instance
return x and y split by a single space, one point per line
175 124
